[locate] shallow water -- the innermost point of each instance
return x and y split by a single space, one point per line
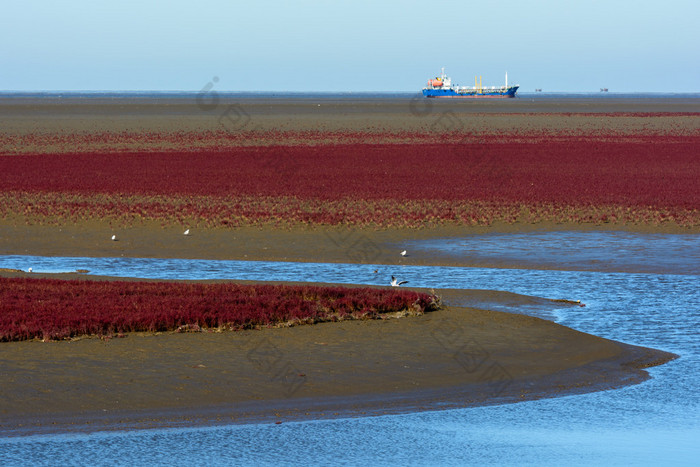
584 251
656 422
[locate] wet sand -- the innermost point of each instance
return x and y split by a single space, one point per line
305 244
454 357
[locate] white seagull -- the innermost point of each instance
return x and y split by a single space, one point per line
403 253
114 238
395 283
187 232
29 270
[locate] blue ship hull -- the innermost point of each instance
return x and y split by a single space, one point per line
470 93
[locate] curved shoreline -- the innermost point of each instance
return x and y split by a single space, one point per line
300 244
349 368
451 358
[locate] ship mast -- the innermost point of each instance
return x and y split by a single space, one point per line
506 80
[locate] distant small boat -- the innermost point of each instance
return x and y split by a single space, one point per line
603 89
538 90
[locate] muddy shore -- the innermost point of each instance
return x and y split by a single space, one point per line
304 244
454 357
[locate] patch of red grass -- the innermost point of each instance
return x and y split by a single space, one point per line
58 309
474 181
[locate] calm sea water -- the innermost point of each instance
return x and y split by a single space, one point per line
656 422
584 251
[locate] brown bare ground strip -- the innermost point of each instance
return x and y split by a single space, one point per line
69 125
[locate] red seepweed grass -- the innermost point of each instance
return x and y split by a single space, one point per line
475 181
53 309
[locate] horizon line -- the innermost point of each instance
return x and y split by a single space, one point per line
224 92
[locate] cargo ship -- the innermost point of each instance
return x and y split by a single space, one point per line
442 86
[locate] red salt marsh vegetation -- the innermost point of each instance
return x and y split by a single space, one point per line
120 128
52 309
595 179
90 170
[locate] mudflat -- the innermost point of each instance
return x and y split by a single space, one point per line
159 123
452 357
304 243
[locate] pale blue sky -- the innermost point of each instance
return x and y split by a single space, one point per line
358 45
